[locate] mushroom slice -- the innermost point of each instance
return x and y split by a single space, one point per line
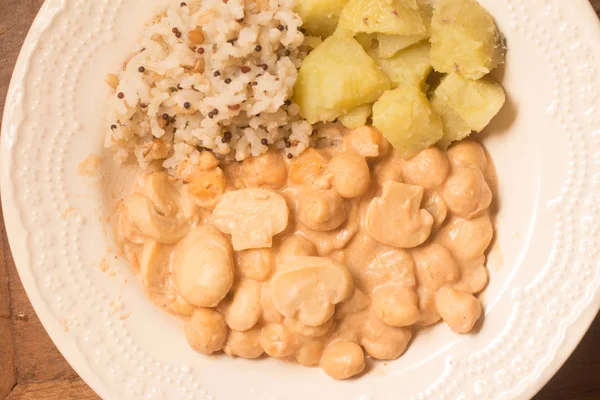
202 267
158 188
252 217
308 288
323 211
154 224
154 264
395 218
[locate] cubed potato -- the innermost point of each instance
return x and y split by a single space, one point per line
475 102
312 41
390 45
366 40
405 118
426 13
410 67
336 77
394 17
320 17
455 128
356 117
465 39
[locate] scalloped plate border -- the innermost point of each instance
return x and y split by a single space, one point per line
573 325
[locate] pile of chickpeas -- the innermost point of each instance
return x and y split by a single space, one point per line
323 259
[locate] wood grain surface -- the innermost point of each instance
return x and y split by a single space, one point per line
32 368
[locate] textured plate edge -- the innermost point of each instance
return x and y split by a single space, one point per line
572 334
15 230
578 328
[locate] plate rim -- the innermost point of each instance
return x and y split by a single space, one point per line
15 230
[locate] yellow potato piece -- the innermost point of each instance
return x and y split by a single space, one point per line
410 67
455 128
476 102
394 17
406 120
357 117
464 105
336 77
390 45
320 17
465 39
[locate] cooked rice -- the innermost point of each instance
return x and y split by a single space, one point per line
167 109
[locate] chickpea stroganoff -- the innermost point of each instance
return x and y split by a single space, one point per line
328 210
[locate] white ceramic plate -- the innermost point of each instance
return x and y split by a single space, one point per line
544 280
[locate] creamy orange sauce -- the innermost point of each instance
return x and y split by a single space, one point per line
342 251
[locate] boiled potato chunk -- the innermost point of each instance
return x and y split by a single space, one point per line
475 102
357 117
320 17
405 118
312 41
464 39
394 17
390 45
455 128
408 68
336 77
366 40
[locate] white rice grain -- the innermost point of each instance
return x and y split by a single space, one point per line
238 102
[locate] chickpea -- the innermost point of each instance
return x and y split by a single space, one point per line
182 307
382 341
468 239
323 211
277 341
435 266
342 359
306 330
244 344
429 168
468 153
187 170
207 187
474 277
436 206
206 331
429 312
267 169
307 166
458 309
396 306
466 192
310 353
395 267
256 264
351 175
244 311
355 304
269 312
366 141
389 169
294 246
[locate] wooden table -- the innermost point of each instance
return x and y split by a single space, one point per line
32 368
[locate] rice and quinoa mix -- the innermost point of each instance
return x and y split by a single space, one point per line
211 75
